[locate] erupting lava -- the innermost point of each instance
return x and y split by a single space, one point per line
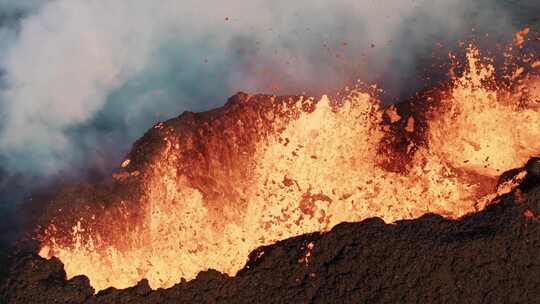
204 190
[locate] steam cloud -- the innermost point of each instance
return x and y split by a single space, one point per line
82 79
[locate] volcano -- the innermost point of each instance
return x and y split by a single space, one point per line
310 199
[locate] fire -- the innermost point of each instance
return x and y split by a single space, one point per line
222 184
490 130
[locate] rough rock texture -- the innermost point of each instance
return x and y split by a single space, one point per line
488 257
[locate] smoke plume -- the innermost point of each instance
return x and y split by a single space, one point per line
80 80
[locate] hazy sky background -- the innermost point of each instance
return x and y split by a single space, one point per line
82 79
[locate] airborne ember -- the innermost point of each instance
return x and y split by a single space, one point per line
203 190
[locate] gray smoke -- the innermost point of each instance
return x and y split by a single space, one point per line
81 79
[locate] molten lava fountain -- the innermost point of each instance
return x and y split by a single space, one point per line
203 190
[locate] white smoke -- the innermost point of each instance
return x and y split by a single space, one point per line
71 65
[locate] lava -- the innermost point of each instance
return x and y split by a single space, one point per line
204 190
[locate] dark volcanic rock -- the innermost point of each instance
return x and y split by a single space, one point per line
488 257
34 280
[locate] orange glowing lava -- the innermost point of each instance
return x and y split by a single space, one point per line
210 189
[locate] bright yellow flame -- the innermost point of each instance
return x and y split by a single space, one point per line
316 165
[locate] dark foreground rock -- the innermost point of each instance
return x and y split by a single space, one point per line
488 257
